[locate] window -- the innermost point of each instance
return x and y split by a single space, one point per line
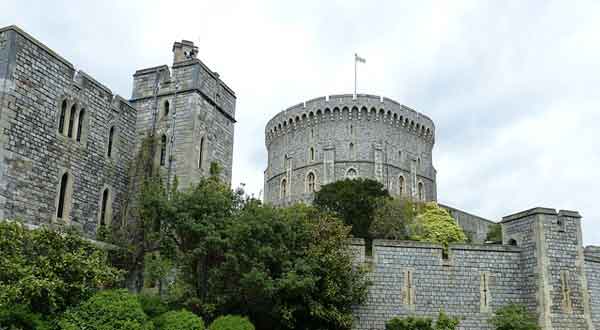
80 122
409 289
485 292
311 154
283 191
351 174
103 208
401 183
512 242
71 120
286 162
201 152
351 130
312 133
351 150
61 122
421 193
310 182
163 149
166 109
400 155
111 137
62 208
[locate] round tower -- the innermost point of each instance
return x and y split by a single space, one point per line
341 136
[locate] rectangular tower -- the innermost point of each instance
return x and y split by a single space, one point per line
192 114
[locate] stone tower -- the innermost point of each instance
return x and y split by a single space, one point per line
192 112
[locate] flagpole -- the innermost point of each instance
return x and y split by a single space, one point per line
354 75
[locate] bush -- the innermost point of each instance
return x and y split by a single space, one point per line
494 233
444 322
392 219
436 225
179 320
20 317
111 309
514 317
47 270
231 322
152 305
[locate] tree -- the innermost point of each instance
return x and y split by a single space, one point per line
392 219
354 201
48 270
444 322
514 317
231 322
435 225
179 320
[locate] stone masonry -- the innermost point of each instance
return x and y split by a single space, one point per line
67 143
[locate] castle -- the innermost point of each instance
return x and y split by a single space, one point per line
68 147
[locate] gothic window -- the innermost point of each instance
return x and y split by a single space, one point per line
80 122
111 140
104 208
351 174
310 182
283 191
201 153
311 154
61 122
421 192
163 149
71 120
166 109
63 196
401 183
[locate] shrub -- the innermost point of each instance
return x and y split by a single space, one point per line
514 317
409 323
179 320
231 322
494 233
20 317
436 225
445 322
152 305
111 309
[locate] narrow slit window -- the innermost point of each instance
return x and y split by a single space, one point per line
283 188
80 122
485 292
401 186
61 123
166 110
201 153
163 150
566 291
310 182
111 137
62 196
421 193
103 207
71 120
409 290
312 154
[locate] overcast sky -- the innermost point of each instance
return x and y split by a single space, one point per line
512 86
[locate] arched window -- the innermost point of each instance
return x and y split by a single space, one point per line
163 149
62 196
103 210
512 242
351 174
421 193
310 182
61 123
201 152
166 109
111 138
351 150
283 191
80 124
71 120
311 154
401 183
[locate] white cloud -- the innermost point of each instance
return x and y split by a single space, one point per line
511 86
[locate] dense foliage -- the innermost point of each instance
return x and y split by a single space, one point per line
231 322
354 201
393 218
281 267
109 309
45 271
444 322
494 233
435 225
179 320
514 317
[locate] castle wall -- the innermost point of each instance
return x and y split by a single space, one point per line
592 270
34 155
378 138
204 108
455 285
476 228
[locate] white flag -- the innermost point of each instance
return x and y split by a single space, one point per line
359 59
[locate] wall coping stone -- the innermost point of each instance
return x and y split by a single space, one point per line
153 69
37 43
570 214
528 213
408 244
486 247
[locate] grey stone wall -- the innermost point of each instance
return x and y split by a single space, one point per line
33 154
201 111
592 270
454 285
376 137
475 227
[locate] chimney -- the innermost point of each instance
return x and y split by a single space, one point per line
184 51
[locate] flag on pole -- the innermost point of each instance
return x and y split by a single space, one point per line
359 59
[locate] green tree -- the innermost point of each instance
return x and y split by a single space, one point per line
179 320
494 233
47 270
514 317
354 201
409 323
435 225
231 322
392 219
109 309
